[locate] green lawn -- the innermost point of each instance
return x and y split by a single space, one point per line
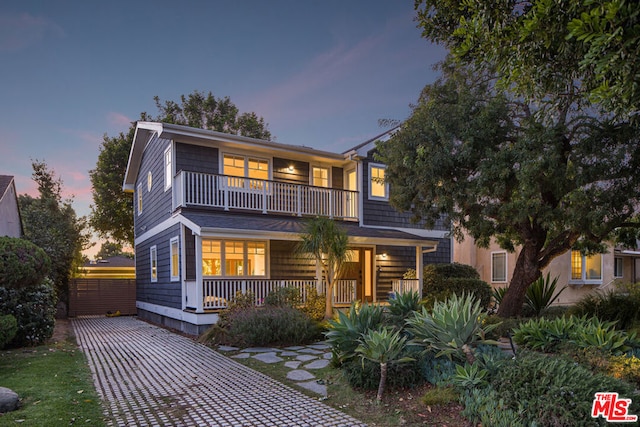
54 384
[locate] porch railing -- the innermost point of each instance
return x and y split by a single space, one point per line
217 293
400 286
228 192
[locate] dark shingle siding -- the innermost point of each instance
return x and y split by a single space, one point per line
196 158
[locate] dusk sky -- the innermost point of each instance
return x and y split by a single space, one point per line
320 73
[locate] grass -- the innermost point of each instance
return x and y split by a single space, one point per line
54 384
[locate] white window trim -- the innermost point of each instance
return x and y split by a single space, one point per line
173 240
153 256
386 184
506 266
583 280
318 166
168 174
615 273
245 256
139 199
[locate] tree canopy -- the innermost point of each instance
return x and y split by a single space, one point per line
51 223
542 179
546 46
112 209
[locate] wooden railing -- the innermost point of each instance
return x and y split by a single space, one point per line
228 192
405 285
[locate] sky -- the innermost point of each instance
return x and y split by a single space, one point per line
321 73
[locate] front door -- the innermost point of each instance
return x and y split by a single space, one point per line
359 267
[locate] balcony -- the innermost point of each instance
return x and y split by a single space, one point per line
193 189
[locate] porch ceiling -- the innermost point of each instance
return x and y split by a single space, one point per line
290 228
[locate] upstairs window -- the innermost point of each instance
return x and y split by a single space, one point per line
320 176
139 198
499 267
586 268
245 167
168 168
378 188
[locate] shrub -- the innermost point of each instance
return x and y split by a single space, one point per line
344 334
615 306
22 264
503 326
553 391
452 328
314 306
541 294
284 297
34 309
625 368
438 370
484 407
401 307
440 396
443 280
8 329
263 326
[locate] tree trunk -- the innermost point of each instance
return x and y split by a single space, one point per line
526 271
383 381
328 308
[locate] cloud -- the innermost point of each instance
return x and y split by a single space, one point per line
20 31
119 120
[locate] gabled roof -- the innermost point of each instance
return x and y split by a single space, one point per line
5 182
146 130
362 149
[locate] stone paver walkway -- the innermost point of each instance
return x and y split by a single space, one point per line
148 376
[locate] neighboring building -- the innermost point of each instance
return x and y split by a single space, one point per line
116 267
579 274
217 213
10 222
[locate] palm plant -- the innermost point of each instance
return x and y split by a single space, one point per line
542 293
382 346
327 243
452 328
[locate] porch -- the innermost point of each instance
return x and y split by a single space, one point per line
216 294
268 197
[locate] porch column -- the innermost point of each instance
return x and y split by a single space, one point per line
199 283
419 268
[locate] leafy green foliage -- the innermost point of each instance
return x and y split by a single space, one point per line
22 263
443 280
625 367
269 325
546 335
440 396
621 306
553 391
542 293
470 376
452 328
402 306
344 333
8 329
503 327
34 310
284 297
485 407
438 370
314 306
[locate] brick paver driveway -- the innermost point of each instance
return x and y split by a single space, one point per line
148 376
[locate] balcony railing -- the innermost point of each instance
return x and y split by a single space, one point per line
229 192
217 293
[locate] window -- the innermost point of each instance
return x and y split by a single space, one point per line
617 267
586 268
320 176
168 168
245 167
153 255
378 188
139 199
149 181
175 264
234 258
499 267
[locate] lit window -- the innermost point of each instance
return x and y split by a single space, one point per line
586 268
153 254
245 167
499 267
320 176
168 168
139 199
617 267
174 251
234 258
378 188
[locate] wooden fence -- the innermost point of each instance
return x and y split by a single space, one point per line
89 297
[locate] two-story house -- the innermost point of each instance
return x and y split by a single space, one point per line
218 213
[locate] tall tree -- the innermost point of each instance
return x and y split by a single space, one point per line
544 46
111 249
325 242
51 223
112 209
542 178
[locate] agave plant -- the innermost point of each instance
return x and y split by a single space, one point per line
452 328
344 334
382 346
401 307
542 293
